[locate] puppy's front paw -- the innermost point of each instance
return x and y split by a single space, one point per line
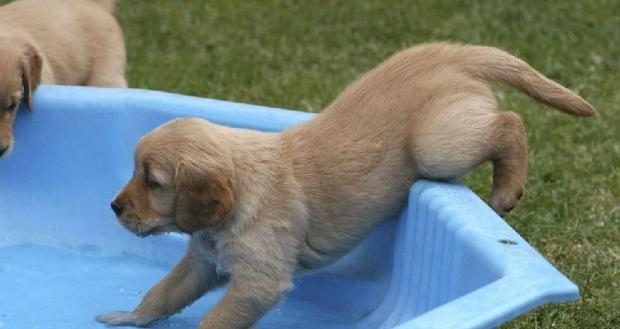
120 318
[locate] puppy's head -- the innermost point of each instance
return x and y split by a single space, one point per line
20 74
182 181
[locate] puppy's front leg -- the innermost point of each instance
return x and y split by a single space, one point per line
188 281
262 269
246 301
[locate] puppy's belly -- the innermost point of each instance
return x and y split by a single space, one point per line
332 234
320 248
311 258
328 249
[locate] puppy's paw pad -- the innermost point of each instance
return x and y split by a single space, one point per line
121 318
118 318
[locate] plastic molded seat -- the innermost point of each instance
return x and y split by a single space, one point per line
447 262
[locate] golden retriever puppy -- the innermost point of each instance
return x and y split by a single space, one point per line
68 42
262 206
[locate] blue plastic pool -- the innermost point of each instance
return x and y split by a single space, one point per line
447 262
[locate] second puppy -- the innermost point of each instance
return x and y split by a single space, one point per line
67 42
261 206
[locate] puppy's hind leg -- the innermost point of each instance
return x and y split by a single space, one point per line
509 158
108 72
451 135
458 132
108 67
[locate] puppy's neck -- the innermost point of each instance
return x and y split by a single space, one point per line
260 171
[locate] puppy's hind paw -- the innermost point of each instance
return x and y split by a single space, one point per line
504 201
120 318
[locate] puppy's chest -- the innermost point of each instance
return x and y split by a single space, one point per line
207 247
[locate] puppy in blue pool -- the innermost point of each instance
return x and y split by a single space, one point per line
260 207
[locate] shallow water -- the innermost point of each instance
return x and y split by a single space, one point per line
50 288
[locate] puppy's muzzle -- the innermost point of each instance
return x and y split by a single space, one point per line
117 208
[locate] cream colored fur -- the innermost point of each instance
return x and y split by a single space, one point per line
67 42
262 206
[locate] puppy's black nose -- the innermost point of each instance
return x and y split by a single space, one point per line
117 208
3 149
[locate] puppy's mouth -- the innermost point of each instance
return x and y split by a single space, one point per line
153 227
156 231
6 150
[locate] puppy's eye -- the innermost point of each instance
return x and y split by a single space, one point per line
151 183
12 107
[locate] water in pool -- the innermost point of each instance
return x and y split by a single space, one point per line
65 288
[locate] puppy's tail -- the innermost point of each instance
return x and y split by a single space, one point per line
108 5
495 65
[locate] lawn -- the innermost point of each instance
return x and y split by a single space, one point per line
301 54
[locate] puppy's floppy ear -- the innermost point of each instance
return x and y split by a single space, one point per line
203 199
32 64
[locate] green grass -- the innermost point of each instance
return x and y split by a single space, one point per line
301 54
